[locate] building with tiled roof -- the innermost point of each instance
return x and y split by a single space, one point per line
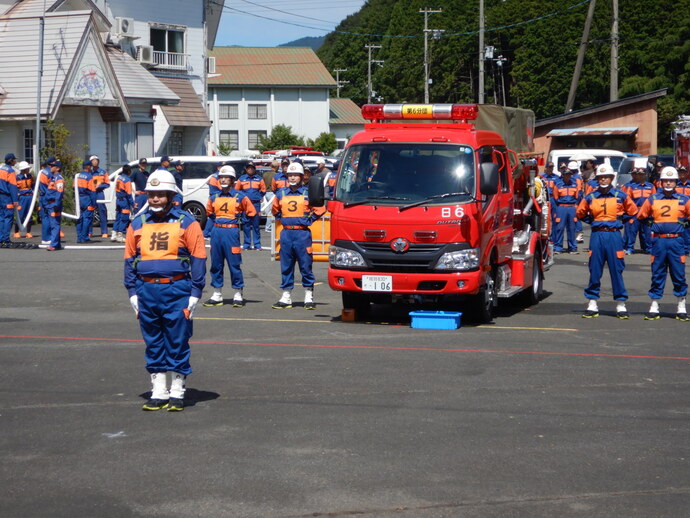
345 119
110 75
253 89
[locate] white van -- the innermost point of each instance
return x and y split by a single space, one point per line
603 156
196 170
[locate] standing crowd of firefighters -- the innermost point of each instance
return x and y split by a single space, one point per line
656 210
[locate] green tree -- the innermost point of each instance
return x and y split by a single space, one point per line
325 143
281 137
57 145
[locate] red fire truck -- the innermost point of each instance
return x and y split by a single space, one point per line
432 202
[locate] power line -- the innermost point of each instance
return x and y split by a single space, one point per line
449 35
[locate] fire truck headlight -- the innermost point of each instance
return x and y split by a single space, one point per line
345 258
462 260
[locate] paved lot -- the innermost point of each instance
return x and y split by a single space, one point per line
294 413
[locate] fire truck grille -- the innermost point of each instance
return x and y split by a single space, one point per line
420 258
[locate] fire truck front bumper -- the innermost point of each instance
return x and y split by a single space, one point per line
447 283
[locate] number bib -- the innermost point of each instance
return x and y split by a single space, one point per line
604 209
666 211
225 207
160 240
294 206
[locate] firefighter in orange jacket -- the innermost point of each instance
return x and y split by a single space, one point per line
164 274
25 188
668 211
87 202
291 207
683 187
224 210
603 209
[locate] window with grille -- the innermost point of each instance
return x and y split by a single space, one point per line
175 141
228 111
29 144
254 138
256 111
230 139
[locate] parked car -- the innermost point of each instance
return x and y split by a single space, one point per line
603 156
197 169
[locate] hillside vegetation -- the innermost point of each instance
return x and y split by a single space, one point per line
539 39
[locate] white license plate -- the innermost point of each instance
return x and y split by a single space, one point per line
377 283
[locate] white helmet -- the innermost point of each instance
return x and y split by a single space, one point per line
227 170
605 170
23 165
161 180
295 168
573 166
668 173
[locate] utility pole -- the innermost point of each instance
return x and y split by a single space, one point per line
580 57
377 61
481 52
338 82
427 12
614 53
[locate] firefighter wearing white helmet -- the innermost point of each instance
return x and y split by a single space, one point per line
639 189
25 190
224 210
165 273
567 193
291 207
668 211
604 209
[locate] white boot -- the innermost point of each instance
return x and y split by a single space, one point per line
177 385
159 386
622 311
309 298
592 309
237 299
653 312
285 301
681 311
216 299
113 236
120 237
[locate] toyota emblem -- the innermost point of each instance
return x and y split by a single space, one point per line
400 245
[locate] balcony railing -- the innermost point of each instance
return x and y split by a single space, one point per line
172 60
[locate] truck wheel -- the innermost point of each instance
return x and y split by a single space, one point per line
533 294
197 210
357 301
488 297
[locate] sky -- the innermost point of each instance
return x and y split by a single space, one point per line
268 23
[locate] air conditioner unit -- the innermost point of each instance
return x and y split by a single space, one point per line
145 54
124 26
211 65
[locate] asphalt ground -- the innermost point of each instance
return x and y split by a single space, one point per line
296 413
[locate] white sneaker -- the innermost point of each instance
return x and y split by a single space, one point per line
238 300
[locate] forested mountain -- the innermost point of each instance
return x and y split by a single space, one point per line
308 41
539 39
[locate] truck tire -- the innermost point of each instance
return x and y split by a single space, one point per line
487 300
197 210
359 302
534 293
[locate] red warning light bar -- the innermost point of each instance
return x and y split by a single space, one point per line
420 111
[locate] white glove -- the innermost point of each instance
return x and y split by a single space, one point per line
193 301
134 301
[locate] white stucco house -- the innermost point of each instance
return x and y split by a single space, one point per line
126 77
253 89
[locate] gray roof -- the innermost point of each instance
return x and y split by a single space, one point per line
34 8
19 61
136 82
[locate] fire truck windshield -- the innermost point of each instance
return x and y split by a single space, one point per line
402 174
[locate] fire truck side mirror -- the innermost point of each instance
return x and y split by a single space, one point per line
317 190
488 179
